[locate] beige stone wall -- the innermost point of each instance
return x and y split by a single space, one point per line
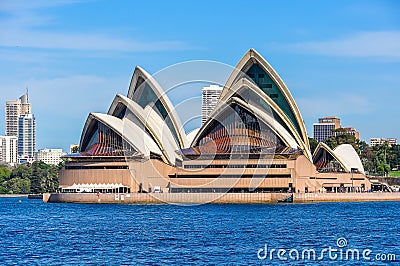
151 173
231 182
68 177
198 198
177 198
345 197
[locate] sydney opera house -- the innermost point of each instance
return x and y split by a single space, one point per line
254 141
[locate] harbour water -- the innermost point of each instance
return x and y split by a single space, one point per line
35 233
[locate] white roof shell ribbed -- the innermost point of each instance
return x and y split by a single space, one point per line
265 115
153 123
345 154
251 58
162 134
129 131
148 132
349 155
162 96
278 129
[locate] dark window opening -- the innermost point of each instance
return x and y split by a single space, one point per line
266 86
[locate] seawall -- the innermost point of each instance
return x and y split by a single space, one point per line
345 197
228 198
13 195
179 198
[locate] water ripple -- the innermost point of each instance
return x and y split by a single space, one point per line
35 233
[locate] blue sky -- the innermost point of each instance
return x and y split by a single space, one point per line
337 57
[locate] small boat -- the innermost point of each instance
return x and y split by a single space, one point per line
35 196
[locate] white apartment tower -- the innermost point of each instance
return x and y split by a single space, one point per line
210 96
14 109
21 124
26 136
8 149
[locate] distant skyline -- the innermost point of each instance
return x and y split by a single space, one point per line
337 57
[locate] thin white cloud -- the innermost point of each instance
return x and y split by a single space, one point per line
24 57
338 104
76 41
25 23
362 44
15 6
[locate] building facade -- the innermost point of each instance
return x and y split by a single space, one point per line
26 136
380 141
254 141
323 129
352 131
8 149
210 96
50 156
14 109
348 130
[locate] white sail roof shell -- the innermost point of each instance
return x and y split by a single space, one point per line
148 120
349 156
130 132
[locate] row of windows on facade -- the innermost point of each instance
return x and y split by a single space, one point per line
197 166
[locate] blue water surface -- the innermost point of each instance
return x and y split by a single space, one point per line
37 233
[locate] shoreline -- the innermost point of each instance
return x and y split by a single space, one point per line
13 195
216 198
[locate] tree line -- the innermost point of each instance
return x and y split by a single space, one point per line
377 160
37 177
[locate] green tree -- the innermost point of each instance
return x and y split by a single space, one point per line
37 177
341 137
19 185
383 168
313 144
393 156
40 172
4 174
4 190
75 149
381 152
44 177
4 177
51 179
367 156
22 171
